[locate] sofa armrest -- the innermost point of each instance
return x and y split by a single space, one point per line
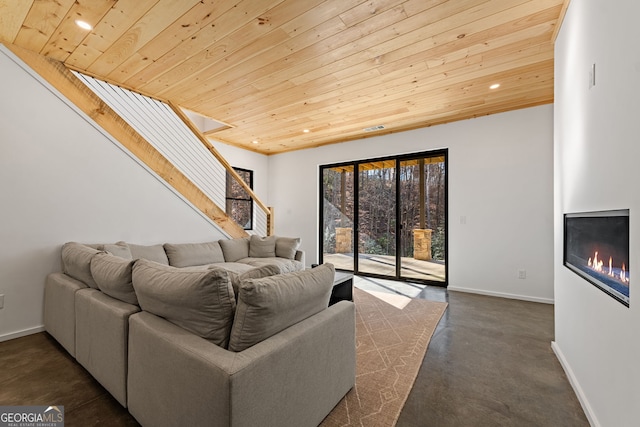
292 378
297 376
175 377
300 257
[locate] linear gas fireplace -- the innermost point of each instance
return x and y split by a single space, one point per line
596 247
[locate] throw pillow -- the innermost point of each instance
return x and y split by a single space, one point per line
254 273
234 249
76 262
113 276
198 300
269 305
151 252
262 247
190 254
119 249
286 247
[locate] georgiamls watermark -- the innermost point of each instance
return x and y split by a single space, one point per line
31 416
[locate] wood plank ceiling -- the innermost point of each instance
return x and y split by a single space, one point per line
271 69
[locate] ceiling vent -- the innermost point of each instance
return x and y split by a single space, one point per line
374 128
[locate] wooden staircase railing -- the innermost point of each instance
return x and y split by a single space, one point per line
203 139
62 79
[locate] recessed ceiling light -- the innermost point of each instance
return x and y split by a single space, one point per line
254 142
84 25
494 86
306 131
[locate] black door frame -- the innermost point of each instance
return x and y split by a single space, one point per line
356 220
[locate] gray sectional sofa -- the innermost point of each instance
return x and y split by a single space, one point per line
233 332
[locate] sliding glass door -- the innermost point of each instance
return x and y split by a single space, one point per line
423 218
377 218
337 211
386 217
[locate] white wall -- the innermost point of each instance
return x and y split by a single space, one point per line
596 166
61 179
500 179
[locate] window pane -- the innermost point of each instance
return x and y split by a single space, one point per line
240 211
422 197
377 216
337 192
234 189
239 204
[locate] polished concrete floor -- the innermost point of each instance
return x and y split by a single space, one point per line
489 363
36 370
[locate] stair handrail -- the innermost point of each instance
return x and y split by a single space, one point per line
63 80
230 170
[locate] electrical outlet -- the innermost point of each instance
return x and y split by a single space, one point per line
2 301
522 274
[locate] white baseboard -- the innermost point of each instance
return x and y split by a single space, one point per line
22 333
501 294
586 407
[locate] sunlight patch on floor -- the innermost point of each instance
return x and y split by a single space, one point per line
398 301
396 293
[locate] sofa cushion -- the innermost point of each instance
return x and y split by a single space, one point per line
190 254
120 249
252 273
286 247
149 252
285 265
269 305
262 247
233 267
234 249
113 276
76 262
198 300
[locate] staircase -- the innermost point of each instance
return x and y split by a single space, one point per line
161 136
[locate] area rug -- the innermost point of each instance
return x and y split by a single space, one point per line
391 341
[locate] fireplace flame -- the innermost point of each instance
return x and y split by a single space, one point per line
610 270
597 265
